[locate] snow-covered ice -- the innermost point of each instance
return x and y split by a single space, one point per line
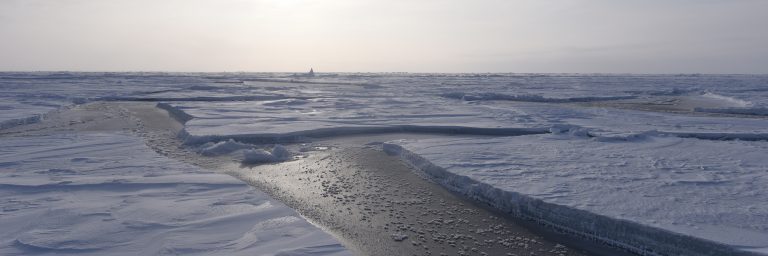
681 153
311 108
708 189
108 194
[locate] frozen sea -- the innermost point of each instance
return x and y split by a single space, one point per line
667 155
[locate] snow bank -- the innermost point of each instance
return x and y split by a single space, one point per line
652 196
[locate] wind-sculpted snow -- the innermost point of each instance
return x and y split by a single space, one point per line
380 93
678 148
644 191
283 109
607 121
293 120
322 117
105 194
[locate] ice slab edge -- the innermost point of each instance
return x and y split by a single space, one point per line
627 235
258 138
719 136
291 137
528 97
174 112
736 111
201 98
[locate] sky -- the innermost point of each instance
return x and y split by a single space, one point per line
551 36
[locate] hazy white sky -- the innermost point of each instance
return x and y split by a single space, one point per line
636 36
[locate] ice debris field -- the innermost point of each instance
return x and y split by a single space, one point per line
654 164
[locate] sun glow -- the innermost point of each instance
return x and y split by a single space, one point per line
398 35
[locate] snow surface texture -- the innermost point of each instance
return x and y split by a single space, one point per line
708 189
106 194
617 113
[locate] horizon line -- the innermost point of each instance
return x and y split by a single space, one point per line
380 72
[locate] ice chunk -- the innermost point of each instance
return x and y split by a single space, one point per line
281 153
222 148
258 156
399 237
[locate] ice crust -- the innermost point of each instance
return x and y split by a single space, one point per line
107 194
